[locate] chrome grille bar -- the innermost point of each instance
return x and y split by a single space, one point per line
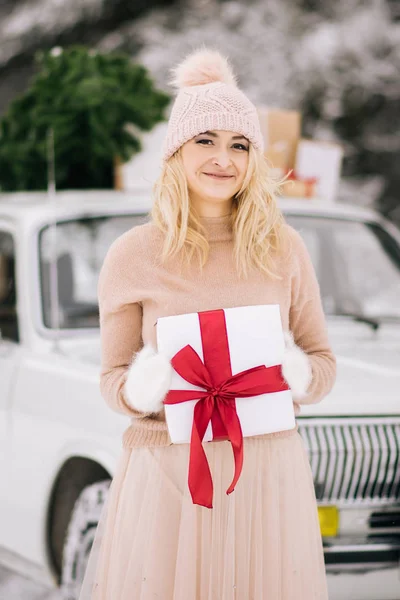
382 475
340 465
371 461
393 461
355 459
376 459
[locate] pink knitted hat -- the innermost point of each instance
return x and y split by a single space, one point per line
209 99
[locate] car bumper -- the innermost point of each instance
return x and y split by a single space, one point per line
362 554
375 585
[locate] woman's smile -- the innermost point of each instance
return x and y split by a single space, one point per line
219 177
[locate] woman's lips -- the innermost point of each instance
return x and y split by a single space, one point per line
214 176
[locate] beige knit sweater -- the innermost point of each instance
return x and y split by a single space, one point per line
135 288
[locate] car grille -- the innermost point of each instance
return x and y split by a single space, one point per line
354 460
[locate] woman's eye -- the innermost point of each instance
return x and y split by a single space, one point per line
206 142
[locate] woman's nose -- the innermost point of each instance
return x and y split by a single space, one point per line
222 159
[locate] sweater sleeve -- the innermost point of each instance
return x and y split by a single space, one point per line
119 294
307 323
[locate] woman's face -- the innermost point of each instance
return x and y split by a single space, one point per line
215 164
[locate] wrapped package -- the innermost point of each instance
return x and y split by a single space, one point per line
227 383
323 161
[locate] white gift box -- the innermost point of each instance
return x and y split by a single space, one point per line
255 338
323 161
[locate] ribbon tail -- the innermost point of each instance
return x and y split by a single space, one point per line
200 479
235 435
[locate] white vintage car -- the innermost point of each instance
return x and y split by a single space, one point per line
59 442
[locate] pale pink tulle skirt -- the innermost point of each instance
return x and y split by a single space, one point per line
262 541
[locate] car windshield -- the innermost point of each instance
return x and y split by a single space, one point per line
357 265
80 246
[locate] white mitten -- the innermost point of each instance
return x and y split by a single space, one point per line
296 368
148 381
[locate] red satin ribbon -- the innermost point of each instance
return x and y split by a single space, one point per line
217 403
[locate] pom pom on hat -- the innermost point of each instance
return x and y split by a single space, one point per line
202 67
208 98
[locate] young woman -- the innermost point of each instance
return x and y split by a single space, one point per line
216 240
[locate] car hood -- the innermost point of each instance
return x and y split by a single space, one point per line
83 349
368 371
368 368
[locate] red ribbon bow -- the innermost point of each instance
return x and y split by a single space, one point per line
309 182
217 401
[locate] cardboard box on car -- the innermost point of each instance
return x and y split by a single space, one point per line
281 130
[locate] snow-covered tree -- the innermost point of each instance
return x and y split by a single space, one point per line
338 62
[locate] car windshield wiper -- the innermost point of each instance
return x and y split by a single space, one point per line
371 321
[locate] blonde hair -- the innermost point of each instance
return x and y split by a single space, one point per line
256 218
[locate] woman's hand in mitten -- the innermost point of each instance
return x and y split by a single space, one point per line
148 380
296 370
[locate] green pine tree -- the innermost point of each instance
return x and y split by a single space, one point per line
88 99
